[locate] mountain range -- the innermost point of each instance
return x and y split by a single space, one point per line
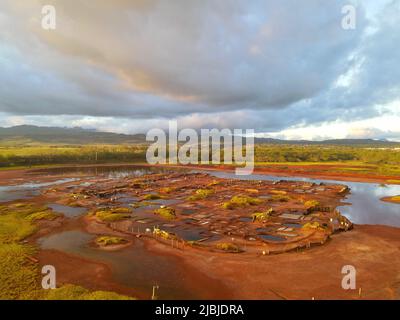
28 134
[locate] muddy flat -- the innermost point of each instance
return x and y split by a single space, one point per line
198 236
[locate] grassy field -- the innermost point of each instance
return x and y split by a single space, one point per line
23 157
338 159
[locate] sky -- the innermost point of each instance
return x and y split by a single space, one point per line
286 69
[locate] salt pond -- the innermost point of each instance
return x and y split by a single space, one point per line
140 268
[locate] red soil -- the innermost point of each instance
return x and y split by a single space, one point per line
314 273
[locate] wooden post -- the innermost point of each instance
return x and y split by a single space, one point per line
154 296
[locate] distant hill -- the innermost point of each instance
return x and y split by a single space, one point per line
27 134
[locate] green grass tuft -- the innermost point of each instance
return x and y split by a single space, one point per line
18 275
163 234
279 198
42 215
166 212
240 202
111 216
313 226
109 241
228 247
152 196
73 292
262 216
201 194
312 205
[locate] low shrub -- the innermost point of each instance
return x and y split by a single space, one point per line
312 205
152 196
313 225
166 212
281 192
279 198
227 246
163 234
109 240
113 214
241 201
213 183
201 194
251 190
262 216
42 215
73 292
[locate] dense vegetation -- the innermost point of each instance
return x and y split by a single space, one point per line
358 159
39 155
289 153
31 145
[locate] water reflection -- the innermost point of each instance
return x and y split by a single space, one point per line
70 212
112 172
134 266
366 206
26 190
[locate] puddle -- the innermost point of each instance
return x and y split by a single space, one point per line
190 220
27 190
292 225
269 237
112 172
134 266
188 211
70 212
192 233
166 202
245 219
366 206
264 230
126 198
12 195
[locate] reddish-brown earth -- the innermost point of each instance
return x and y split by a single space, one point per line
309 273
314 273
312 171
317 171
